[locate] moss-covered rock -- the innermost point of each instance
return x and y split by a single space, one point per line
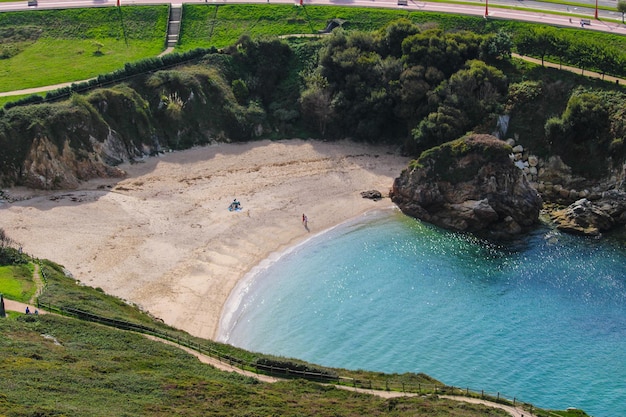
469 184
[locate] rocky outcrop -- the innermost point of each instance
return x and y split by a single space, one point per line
372 195
49 167
591 218
470 184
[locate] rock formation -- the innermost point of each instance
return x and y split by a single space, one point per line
591 218
49 167
372 195
470 184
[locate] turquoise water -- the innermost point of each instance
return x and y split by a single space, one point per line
542 319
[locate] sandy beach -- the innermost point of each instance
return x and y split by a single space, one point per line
163 238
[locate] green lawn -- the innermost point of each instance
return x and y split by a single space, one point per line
54 61
16 282
219 26
47 47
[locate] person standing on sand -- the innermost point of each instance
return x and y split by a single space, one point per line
305 221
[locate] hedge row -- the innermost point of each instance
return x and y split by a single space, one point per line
130 70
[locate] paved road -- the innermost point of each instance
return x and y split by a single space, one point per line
521 6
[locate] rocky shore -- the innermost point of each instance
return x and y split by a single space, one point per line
496 188
578 205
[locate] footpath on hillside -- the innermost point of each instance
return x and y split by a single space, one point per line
11 305
585 73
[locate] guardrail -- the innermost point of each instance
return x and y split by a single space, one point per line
389 384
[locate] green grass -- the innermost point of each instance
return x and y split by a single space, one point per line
60 366
16 282
56 46
46 61
219 26
58 37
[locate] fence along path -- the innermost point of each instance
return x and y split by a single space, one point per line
228 366
514 411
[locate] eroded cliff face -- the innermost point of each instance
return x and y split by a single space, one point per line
48 166
58 145
470 184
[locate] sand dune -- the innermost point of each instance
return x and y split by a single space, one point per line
163 238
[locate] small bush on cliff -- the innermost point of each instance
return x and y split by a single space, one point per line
461 159
588 133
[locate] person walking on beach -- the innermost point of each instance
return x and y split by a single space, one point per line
305 221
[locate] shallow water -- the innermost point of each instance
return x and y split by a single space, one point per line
541 319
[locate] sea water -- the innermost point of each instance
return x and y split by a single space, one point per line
541 319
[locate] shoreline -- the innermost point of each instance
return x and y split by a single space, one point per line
162 237
232 304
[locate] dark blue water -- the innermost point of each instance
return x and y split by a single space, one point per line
542 319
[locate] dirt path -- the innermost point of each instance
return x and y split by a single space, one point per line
38 282
575 70
513 411
10 305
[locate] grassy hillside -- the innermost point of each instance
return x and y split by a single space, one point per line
55 365
16 282
221 25
60 366
38 46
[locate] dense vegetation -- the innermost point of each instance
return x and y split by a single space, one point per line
415 86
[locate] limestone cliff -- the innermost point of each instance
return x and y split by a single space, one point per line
470 184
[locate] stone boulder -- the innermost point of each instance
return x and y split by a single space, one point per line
470 184
591 218
372 195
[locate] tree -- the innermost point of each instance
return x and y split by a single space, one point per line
560 46
478 90
582 135
411 103
240 90
537 41
582 53
497 46
315 102
392 36
621 7
444 125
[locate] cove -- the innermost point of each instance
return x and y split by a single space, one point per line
541 319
